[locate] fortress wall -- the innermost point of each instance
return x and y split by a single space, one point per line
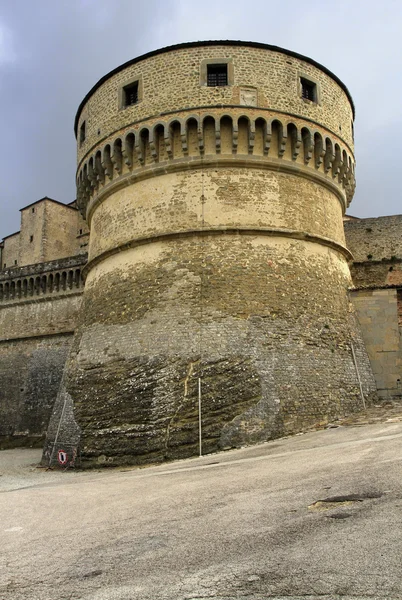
46 316
375 239
376 245
35 338
378 313
30 375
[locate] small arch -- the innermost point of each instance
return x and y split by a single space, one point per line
209 131
278 140
57 282
226 129
260 148
175 135
158 136
192 128
337 162
37 286
142 147
92 176
98 167
329 155
128 149
319 150
12 290
25 288
63 280
106 161
77 278
50 283
308 144
117 156
43 284
243 124
294 143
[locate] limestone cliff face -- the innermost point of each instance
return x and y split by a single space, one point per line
213 178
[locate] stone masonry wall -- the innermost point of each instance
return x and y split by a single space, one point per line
376 245
171 81
36 329
375 239
377 312
274 356
30 375
10 253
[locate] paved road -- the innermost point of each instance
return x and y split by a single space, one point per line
248 524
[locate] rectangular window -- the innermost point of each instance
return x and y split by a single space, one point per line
31 238
130 94
82 132
217 75
308 90
33 210
15 262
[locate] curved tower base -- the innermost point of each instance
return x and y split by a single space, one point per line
273 358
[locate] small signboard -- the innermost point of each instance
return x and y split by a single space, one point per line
62 457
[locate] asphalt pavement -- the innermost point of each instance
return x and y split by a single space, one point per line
315 516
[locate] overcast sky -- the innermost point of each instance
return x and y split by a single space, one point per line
53 51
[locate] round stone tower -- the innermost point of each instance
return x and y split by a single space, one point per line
214 177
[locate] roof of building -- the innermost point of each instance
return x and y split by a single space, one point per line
11 235
210 43
50 200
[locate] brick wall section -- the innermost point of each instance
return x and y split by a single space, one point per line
375 239
376 245
377 312
30 375
35 335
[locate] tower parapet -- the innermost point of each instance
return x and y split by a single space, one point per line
213 177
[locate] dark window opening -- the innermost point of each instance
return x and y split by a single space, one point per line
309 90
217 75
82 132
131 94
15 262
4 266
31 238
33 210
80 231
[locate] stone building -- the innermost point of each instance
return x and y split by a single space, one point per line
218 305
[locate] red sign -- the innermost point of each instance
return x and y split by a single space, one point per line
62 457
